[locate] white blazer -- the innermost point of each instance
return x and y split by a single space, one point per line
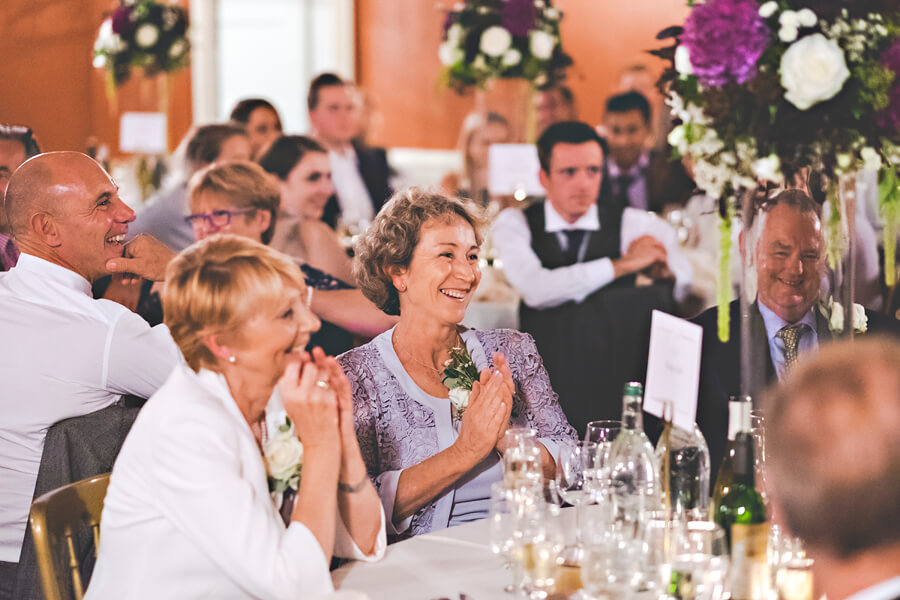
188 512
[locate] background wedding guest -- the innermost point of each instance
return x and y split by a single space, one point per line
360 173
831 428
17 144
787 246
554 104
260 121
479 132
188 512
562 256
163 215
419 260
302 169
65 354
241 198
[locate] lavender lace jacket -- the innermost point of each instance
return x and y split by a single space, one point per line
396 432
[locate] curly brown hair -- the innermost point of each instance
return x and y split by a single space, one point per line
394 234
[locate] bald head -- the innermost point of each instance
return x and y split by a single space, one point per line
832 435
64 207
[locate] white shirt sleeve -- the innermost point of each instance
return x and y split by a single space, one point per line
202 491
138 358
387 491
538 286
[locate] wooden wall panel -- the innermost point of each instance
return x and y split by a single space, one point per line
397 62
47 81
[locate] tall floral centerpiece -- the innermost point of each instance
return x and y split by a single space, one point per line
142 33
517 42
759 86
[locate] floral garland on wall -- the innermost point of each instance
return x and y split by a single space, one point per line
759 86
142 33
493 39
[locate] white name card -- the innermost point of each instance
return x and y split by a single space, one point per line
143 133
513 170
673 369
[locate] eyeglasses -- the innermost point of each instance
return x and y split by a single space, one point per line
216 218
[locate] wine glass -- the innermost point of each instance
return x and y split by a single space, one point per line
576 464
502 520
522 466
602 433
699 565
540 547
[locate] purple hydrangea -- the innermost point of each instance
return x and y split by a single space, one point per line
518 16
725 39
889 117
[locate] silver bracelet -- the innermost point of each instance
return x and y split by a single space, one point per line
352 489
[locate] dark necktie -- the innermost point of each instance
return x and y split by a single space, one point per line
623 184
790 335
575 238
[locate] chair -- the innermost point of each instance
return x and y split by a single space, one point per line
56 517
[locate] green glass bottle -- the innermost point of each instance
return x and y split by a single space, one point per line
742 514
738 420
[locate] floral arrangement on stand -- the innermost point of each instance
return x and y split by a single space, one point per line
492 39
760 87
142 33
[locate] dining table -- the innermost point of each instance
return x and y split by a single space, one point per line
454 563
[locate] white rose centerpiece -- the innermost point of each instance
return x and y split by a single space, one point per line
813 70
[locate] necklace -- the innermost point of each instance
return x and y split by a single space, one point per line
412 357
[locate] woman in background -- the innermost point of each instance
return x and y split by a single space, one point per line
260 121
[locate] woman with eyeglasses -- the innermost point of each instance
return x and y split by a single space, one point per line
302 170
240 198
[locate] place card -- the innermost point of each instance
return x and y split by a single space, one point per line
673 368
143 133
513 171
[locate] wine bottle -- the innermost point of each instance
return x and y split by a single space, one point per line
738 420
742 514
631 457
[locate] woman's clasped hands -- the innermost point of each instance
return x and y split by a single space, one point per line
486 418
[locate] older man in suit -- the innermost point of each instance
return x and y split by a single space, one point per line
835 466
787 320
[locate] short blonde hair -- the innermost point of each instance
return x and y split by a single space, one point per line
218 284
245 184
393 236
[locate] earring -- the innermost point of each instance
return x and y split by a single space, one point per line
232 359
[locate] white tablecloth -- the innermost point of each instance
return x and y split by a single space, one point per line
443 564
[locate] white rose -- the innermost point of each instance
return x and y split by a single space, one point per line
511 57
787 34
455 34
283 453
768 9
677 139
460 399
767 168
146 35
541 44
449 53
871 158
812 70
807 18
495 41
790 19
683 60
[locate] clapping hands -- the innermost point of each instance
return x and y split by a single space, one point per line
487 417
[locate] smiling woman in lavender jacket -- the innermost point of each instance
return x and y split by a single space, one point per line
419 260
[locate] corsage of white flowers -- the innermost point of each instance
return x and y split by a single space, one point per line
813 70
283 453
460 374
834 312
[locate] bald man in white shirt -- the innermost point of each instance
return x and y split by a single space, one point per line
64 354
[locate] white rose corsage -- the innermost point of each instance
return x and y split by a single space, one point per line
834 312
283 453
460 374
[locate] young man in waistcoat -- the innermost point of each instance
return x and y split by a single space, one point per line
579 300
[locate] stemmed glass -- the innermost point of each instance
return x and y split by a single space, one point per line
576 466
602 433
503 522
521 458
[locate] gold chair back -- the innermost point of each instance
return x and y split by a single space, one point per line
56 517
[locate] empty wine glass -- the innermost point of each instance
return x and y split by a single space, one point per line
576 464
504 536
602 433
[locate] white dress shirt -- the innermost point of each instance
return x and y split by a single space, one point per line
541 287
886 590
62 354
809 339
637 191
353 196
188 512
